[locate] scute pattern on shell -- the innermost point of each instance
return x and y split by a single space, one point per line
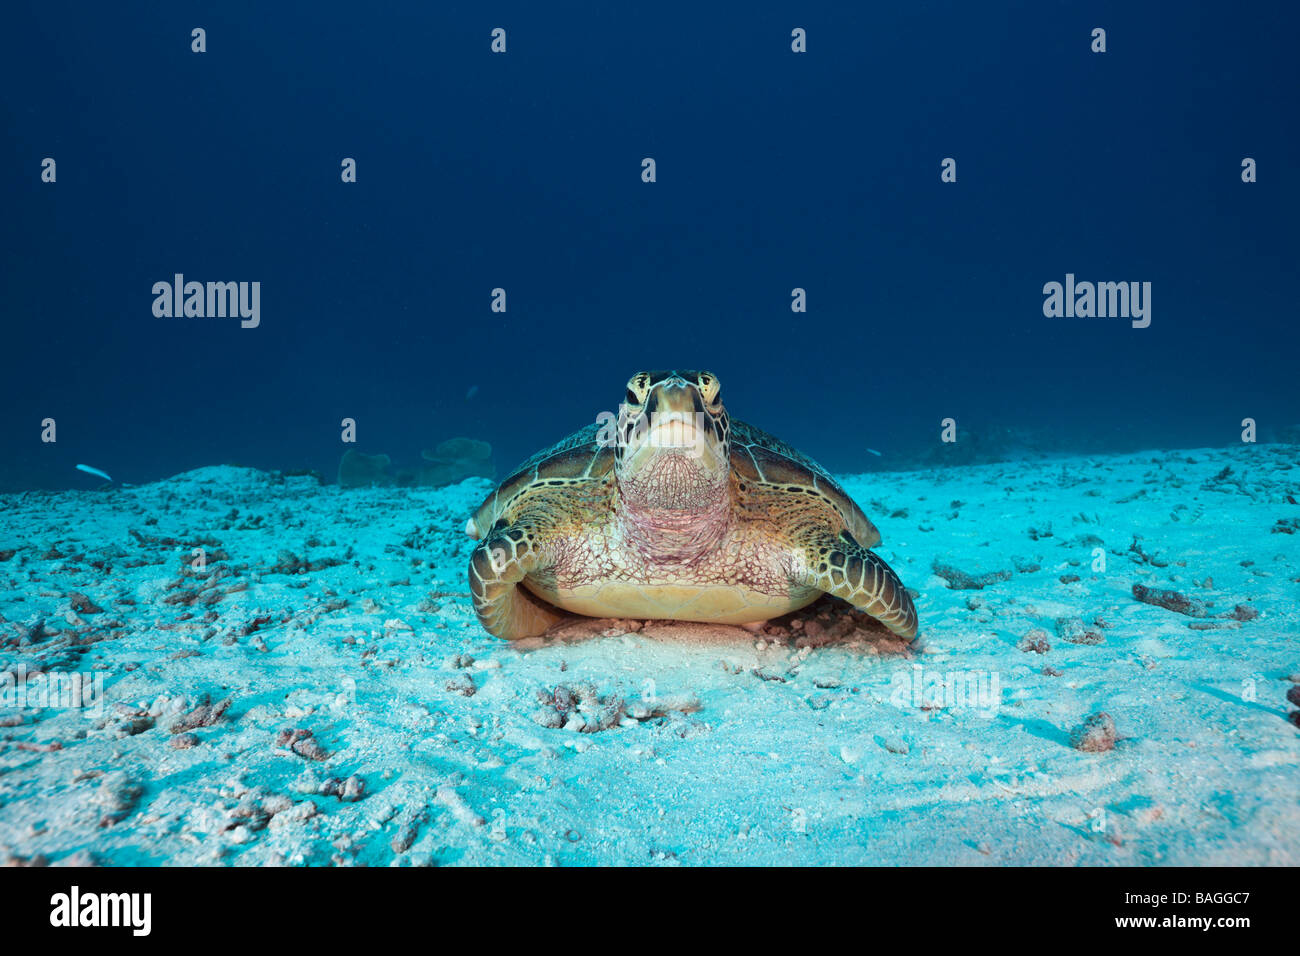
755 454
574 458
584 438
776 463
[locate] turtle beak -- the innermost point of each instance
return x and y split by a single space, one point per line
674 453
675 419
673 422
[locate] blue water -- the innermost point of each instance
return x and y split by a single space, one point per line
775 170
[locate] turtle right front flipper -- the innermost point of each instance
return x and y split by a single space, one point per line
840 566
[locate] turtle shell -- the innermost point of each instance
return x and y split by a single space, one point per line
761 457
755 456
575 457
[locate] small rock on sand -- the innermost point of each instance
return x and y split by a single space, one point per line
1094 735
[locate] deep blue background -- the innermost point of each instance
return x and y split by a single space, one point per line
775 170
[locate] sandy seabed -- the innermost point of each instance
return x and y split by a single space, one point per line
317 690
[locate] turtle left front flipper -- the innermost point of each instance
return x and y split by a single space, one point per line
499 563
840 566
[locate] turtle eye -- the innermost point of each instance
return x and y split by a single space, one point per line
709 387
636 389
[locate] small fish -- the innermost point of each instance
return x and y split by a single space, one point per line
473 390
94 471
874 452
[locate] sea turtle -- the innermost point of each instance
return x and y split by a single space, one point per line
673 510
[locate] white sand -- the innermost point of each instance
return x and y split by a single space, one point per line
729 748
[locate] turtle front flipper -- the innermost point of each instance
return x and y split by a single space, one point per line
840 566
499 563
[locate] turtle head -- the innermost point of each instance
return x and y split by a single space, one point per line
673 450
